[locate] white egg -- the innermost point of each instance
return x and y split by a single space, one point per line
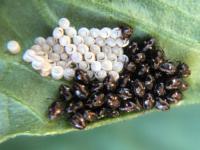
78 40
117 50
40 40
100 41
29 55
83 32
117 66
90 74
70 49
64 23
101 56
83 65
88 40
13 47
76 57
116 33
95 48
100 75
51 41
82 48
64 40
71 31
57 72
107 49
110 42
123 58
89 57
69 73
58 32
114 74
105 32
94 32
112 57
38 63
95 66
106 65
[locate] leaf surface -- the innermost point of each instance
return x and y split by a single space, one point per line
24 95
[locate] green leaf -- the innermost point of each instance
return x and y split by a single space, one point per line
24 94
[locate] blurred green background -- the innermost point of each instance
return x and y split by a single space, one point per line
177 129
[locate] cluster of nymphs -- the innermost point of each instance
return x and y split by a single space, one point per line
147 81
97 51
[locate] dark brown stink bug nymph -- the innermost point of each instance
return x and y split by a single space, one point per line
126 32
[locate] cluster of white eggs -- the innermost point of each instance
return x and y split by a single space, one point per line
97 51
